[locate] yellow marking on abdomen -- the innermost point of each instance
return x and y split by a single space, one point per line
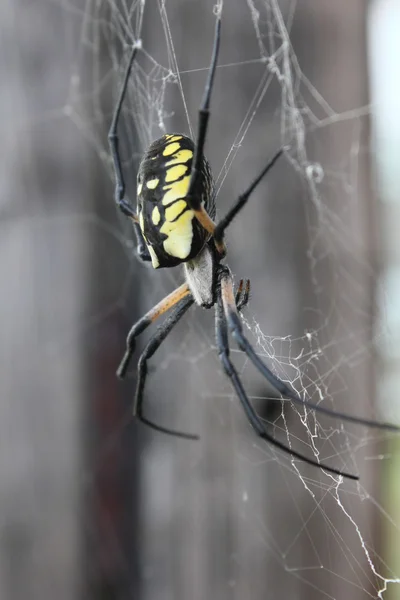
155 216
152 183
154 258
141 222
176 190
141 225
180 235
175 209
175 138
171 148
139 189
175 173
180 157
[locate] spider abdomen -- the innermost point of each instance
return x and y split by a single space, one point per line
170 229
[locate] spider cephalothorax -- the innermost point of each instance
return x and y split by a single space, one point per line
175 224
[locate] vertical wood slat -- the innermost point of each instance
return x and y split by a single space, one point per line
43 271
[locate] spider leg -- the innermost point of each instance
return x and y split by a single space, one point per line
154 343
242 295
113 139
149 318
223 353
194 201
237 332
241 201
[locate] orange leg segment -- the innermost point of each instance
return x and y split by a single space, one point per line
149 318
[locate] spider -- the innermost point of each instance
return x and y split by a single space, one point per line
174 224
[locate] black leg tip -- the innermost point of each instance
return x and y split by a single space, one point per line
171 432
121 371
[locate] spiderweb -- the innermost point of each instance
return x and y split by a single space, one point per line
230 515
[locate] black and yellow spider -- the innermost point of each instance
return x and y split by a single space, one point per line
175 224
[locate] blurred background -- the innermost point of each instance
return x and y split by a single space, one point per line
95 506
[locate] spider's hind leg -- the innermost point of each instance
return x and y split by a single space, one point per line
221 329
233 319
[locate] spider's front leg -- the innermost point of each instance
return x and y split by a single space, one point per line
217 230
242 200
